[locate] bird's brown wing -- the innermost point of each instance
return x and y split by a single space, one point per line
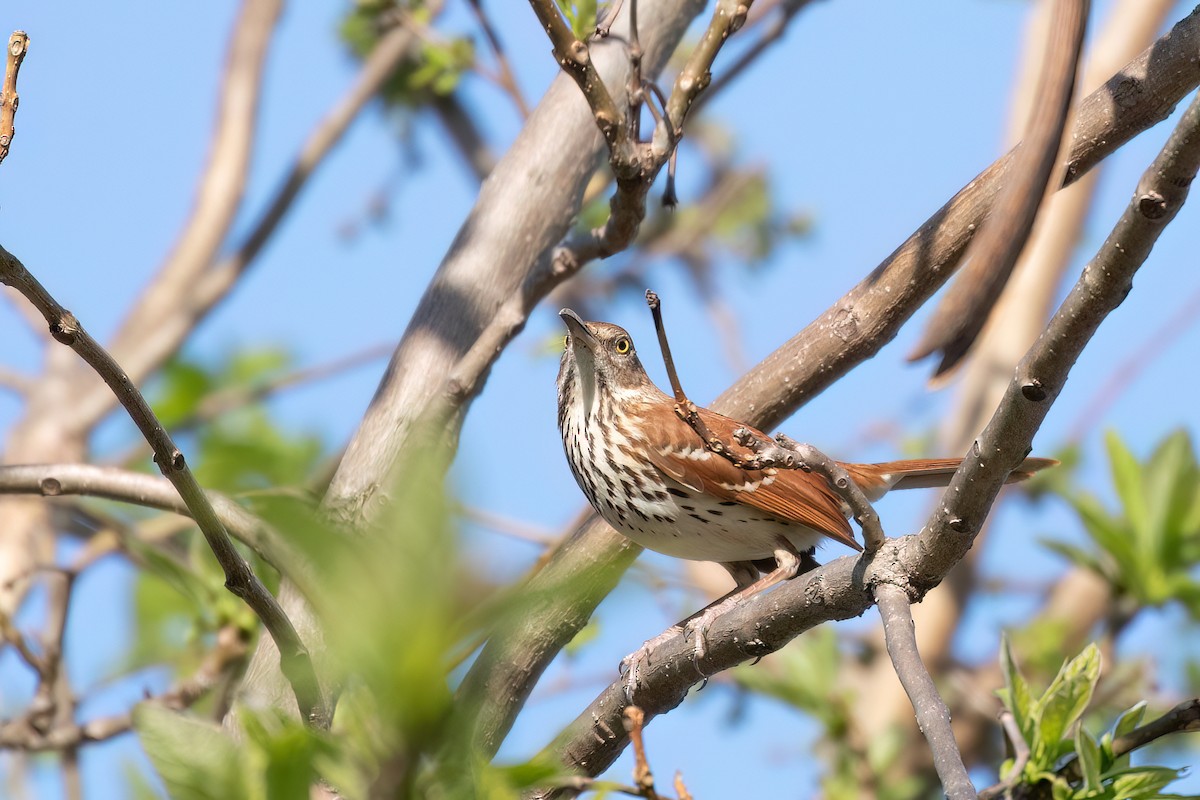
788 495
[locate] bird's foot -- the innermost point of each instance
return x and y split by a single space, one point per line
633 665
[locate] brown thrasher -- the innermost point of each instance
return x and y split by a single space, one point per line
650 475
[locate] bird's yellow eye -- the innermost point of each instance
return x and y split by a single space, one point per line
566 341
622 346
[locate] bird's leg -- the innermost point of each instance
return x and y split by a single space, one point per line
789 564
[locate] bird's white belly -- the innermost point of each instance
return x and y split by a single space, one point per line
702 530
663 515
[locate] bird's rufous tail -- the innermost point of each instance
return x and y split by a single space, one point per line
925 473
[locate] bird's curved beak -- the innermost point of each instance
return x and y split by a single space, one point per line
580 335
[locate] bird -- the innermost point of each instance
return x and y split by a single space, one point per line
651 476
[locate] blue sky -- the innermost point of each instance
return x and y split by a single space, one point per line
868 115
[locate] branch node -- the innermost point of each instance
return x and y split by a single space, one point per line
1034 391
1152 205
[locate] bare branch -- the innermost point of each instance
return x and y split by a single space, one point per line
787 11
576 60
933 717
18 46
23 734
239 577
209 286
220 191
506 78
1020 757
842 588
635 165
964 309
136 488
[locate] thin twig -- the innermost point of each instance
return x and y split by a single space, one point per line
933 718
1020 750
18 46
148 491
239 577
635 721
506 78
23 734
787 11
636 164
1183 718
574 58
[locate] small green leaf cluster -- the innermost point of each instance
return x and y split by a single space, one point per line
435 69
1051 727
580 15
1149 547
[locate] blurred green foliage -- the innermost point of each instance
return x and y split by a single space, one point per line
392 609
580 15
1147 548
437 66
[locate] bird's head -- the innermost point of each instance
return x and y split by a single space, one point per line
600 356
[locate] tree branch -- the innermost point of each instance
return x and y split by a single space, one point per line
24 734
209 285
1183 718
933 717
239 577
18 46
220 190
964 308
147 491
842 589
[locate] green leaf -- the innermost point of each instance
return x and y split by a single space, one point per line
1109 533
581 15
1142 782
1077 555
1067 698
285 751
1088 753
1127 480
195 759
1017 697
1129 719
